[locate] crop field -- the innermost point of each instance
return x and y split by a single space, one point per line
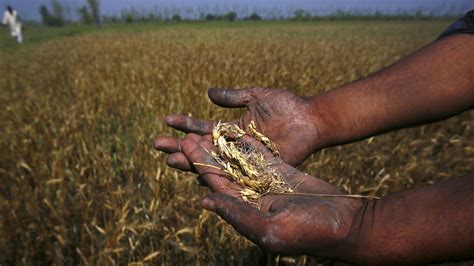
80 182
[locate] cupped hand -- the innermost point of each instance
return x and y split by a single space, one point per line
287 119
299 223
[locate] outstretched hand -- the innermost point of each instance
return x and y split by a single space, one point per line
287 119
287 224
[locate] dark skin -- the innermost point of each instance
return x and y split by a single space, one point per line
426 224
284 223
415 226
278 113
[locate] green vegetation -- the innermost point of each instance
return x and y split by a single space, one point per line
81 183
54 18
90 13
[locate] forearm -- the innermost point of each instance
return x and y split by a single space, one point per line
433 83
428 224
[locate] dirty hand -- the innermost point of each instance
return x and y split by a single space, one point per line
287 119
285 224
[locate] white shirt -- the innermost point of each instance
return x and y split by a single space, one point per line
13 22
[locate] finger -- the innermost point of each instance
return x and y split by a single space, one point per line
171 145
168 144
197 154
207 146
194 137
229 97
246 219
274 203
188 124
208 137
179 161
220 182
214 178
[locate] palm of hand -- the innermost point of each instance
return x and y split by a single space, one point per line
306 224
292 223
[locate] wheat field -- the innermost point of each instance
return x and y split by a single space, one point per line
82 184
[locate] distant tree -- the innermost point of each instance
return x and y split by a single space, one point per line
44 12
58 10
231 16
95 11
130 15
254 16
210 17
52 19
152 16
301 14
127 17
176 17
85 15
341 13
114 19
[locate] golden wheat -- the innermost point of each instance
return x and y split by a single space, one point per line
246 165
81 183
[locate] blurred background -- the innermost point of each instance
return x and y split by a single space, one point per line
73 10
85 93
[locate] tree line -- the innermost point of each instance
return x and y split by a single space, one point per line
90 14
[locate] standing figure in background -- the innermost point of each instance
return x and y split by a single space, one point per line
11 18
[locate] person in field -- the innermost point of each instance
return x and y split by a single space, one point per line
11 18
426 224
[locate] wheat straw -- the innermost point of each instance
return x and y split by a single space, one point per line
248 167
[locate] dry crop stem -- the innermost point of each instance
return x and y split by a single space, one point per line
81 183
245 165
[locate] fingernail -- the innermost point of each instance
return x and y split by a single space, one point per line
208 204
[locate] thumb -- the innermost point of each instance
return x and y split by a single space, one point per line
246 219
229 97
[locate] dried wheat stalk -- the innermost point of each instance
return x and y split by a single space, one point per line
247 166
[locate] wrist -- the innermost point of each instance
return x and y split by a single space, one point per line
352 246
346 243
323 119
346 114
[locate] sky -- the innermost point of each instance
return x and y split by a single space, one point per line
28 9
